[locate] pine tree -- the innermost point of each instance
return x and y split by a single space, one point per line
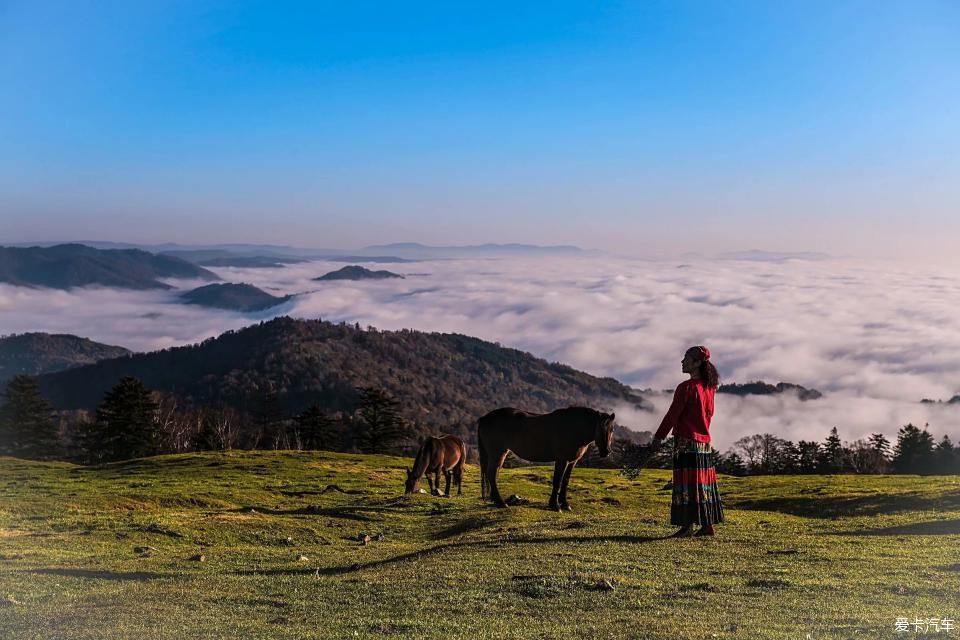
268 418
732 464
945 457
784 456
125 426
28 427
382 426
831 455
914 450
317 430
808 456
880 444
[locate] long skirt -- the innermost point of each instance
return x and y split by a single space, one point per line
696 498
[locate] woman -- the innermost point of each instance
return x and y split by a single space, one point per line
696 499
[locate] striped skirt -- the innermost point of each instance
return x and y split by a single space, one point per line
696 498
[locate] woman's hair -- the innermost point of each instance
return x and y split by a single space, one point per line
708 372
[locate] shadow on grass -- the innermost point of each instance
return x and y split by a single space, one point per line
346 513
135 576
429 551
466 525
361 512
825 507
934 528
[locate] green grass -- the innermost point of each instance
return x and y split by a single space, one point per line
832 556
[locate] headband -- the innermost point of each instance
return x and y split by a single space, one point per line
705 352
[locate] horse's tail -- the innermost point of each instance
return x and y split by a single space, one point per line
483 461
463 456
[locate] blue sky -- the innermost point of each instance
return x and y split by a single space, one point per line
644 127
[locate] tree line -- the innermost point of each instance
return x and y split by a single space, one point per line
916 451
133 421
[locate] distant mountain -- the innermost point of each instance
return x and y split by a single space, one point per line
421 251
235 297
374 253
213 250
437 378
261 262
759 388
772 256
36 353
74 265
383 259
954 400
354 272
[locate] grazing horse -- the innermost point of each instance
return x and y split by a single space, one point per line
445 454
562 437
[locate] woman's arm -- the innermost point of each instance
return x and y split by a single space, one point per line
673 413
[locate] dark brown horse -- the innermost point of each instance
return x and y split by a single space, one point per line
446 455
561 437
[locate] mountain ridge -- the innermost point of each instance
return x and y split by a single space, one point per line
435 377
70 266
37 353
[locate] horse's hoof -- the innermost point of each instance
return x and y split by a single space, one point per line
555 507
566 507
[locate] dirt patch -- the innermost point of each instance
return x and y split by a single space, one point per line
768 583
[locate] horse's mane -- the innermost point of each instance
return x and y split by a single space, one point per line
423 457
584 411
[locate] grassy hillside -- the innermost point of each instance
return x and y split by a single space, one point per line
835 557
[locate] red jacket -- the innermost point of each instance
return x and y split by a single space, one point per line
690 413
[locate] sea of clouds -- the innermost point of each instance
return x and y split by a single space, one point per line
874 337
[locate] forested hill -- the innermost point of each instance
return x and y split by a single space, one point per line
437 378
75 265
36 353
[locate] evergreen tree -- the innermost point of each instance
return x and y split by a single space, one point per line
268 419
945 457
880 444
914 450
381 424
732 464
808 456
785 457
125 425
831 455
28 427
317 431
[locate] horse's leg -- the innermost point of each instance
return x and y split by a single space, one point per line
484 484
429 482
493 467
436 480
563 485
558 470
458 476
449 476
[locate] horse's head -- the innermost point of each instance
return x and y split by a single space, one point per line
604 435
412 481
